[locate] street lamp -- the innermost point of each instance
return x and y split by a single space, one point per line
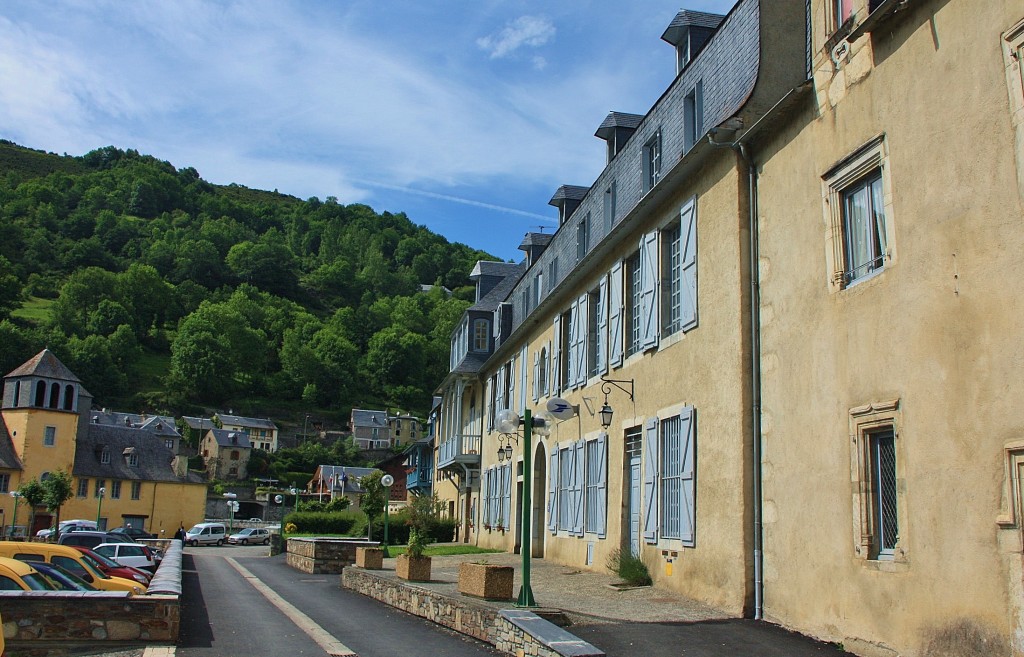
14 522
386 481
295 491
232 507
508 422
99 506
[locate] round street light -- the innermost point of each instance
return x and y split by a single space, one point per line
14 521
99 506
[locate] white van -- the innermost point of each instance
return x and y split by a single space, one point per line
206 533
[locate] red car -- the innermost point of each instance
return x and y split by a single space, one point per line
110 567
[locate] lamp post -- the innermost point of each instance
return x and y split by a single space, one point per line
508 422
386 481
14 521
232 505
99 506
295 491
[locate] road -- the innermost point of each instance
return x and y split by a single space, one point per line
238 601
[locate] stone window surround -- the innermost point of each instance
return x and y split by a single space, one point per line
1013 55
864 421
867 158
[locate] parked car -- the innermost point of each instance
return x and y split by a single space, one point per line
62 580
19 576
128 554
133 533
108 566
70 559
206 533
250 535
91 539
67 526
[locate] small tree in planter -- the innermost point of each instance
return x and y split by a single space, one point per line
413 565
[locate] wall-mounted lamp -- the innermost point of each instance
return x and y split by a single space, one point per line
606 411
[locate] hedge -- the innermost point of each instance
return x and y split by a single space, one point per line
322 522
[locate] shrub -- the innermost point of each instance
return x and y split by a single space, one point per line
631 569
342 522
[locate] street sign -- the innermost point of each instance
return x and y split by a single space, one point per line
561 409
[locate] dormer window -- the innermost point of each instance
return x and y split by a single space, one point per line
481 336
105 456
133 459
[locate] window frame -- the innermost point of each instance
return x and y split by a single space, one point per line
83 488
1013 55
136 490
867 424
583 237
633 306
481 335
849 174
652 161
49 436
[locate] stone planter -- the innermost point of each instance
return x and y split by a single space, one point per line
485 580
370 558
413 569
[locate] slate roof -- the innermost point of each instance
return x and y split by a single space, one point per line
535 239
568 193
688 18
201 423
364 418
8 457
341 473
618 120
500 291
45 364
490 268
240 421
154 460
158 425
226 438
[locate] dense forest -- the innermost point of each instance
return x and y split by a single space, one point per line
166 293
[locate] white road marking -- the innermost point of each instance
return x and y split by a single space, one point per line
323 638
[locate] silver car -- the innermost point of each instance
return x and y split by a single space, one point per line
250 535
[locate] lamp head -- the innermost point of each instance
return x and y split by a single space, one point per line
606 415
506 421
542 423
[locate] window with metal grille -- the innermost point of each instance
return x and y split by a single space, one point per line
885 521
595 336
672 279
671 477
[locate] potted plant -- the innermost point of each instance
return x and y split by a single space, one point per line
413 565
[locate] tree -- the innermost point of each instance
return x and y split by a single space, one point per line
10 288
34 495
374 500
56 491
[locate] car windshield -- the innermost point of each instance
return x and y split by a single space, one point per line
94 567
37 582
64 580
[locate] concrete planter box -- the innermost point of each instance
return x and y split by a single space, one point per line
413 569
487 581
370 558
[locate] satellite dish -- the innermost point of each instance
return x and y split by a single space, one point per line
561 409
387 480
278 499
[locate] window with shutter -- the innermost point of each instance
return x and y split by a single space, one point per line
553 491
485 495
522 379
536 376
595 518
581 315
577 486
506 496
688 259
556 357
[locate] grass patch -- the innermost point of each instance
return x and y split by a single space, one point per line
36 310
442 550
152 368
632 570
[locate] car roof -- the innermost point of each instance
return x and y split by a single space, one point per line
17 567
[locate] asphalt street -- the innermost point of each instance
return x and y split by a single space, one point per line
237 601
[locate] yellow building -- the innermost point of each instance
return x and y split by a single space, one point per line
890 213
122 474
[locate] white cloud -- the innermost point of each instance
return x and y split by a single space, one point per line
533 31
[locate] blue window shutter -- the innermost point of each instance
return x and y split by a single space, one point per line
649 290
555 384
523 358
601 522
651 481
484 494
500 390
687 488
537 375
580 313
506 495
577 487
553 491
688 258
602 326
615 315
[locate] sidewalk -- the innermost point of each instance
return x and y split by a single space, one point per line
646 621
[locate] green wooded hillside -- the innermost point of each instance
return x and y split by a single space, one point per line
166 293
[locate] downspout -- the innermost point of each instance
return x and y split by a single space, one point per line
755 366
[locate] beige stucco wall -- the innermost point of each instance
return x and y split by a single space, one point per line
938 329
705 368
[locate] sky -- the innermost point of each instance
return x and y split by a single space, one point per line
465 115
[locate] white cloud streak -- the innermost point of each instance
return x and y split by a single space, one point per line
532 31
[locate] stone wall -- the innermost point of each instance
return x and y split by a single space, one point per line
515 632
323 555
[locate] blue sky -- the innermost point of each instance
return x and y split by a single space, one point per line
467 116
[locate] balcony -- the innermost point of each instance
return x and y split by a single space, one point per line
461 449
420 479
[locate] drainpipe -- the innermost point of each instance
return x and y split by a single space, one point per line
755 366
